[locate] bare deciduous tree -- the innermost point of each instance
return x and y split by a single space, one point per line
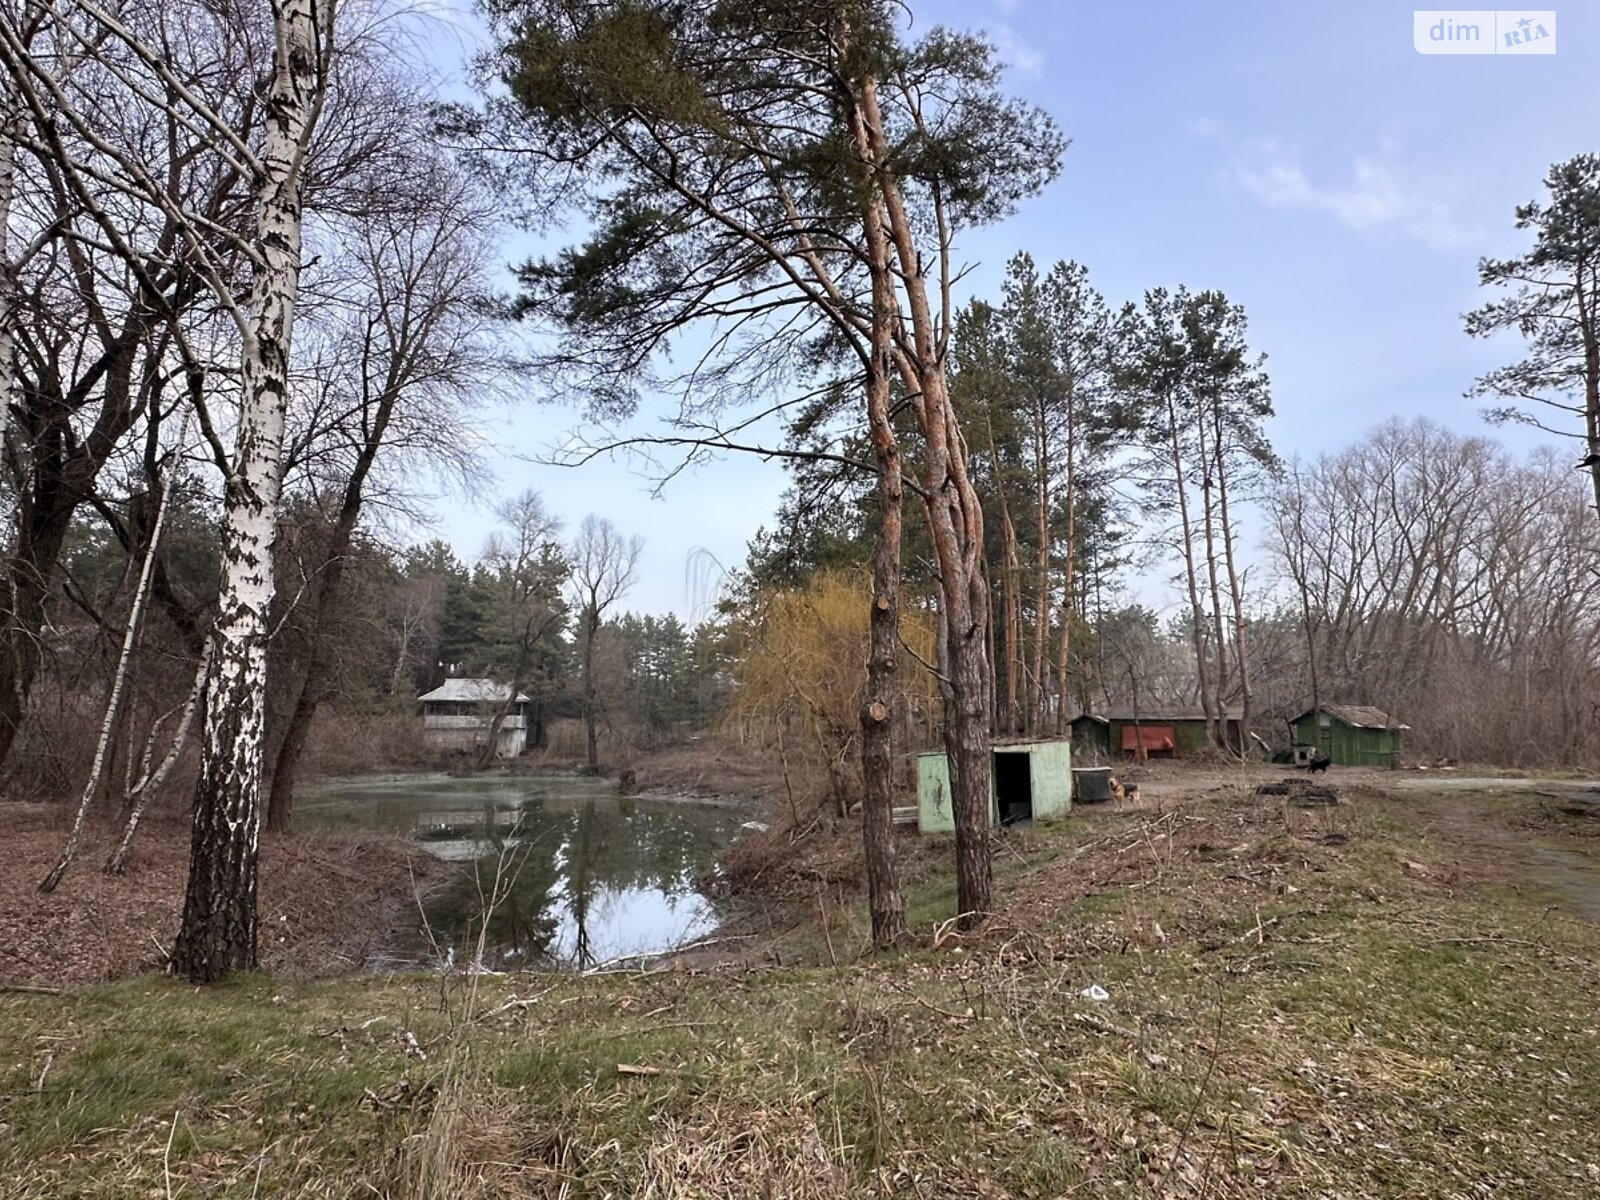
603 562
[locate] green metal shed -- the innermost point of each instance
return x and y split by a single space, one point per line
1352 735
1028 781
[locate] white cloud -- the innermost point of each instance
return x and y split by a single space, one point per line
1380 191
1015 52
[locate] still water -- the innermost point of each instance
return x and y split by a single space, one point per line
576 874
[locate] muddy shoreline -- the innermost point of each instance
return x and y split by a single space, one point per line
331 902
327 901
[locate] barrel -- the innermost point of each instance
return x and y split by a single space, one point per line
1091 785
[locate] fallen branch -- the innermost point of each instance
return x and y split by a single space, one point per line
31 989
632 1069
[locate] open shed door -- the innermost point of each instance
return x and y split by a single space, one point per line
1051 764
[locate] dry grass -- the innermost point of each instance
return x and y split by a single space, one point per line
1302 1004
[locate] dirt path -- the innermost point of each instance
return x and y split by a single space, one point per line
1526 833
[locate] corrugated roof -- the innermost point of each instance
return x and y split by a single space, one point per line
1156 713
472 691
1358 716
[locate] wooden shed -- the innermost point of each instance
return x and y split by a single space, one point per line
1352 735
1164 731
459 714
1028 781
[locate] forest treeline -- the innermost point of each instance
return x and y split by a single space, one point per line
252 319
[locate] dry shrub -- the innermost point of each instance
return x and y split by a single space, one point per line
55 751
346 744
564 739
54 754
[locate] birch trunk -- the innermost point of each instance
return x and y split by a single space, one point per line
10 115
218 931
119 680
150 782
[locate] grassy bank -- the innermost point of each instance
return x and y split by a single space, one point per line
1343 1002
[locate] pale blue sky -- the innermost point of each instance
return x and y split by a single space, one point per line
1301 157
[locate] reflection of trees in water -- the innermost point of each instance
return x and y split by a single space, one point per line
552 857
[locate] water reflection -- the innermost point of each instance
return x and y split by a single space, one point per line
566 871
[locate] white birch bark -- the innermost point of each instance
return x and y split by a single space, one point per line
218 933
119 681
138 794
10 116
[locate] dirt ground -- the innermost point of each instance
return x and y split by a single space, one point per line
1472 829
325 901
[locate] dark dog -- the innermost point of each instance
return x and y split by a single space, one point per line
1319 763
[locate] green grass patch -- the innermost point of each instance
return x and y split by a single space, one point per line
1294 1011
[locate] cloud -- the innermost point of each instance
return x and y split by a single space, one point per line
1376 192
1014 51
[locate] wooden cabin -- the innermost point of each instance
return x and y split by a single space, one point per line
459 714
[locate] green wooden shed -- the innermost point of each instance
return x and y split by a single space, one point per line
1165 731
1351 735
1028 781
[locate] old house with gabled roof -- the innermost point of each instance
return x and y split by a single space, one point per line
459 714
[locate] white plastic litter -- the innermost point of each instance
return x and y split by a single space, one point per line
1095 992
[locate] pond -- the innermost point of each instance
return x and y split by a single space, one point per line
569 872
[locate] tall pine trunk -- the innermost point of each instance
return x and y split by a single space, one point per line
218 930
1197 617
1041 582
883 649
955 521
1235 590
1069 565
1008 717
1208 529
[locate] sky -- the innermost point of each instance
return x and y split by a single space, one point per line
1301 157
